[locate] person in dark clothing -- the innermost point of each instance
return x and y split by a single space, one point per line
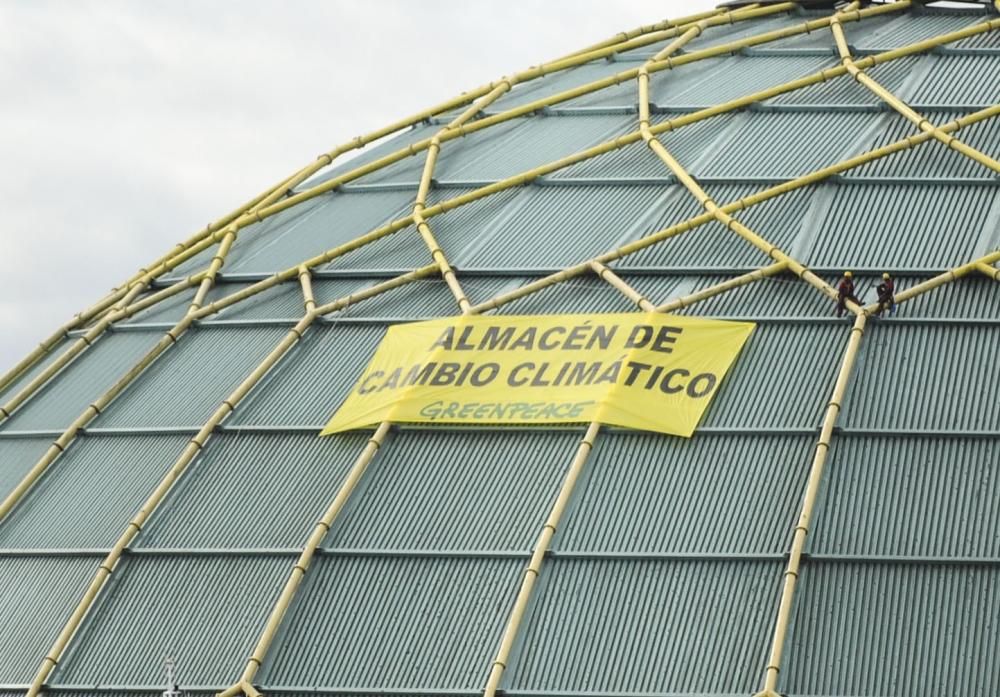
845 292
886 295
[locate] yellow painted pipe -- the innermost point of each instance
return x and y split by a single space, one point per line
840 38
685 178
618 283
711 291
193 448
84 343
92 410
988 270
534 567
808 503
602 148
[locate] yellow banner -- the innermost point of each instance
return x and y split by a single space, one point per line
652 371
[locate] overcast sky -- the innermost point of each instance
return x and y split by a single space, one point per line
127 126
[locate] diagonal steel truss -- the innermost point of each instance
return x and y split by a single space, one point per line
124 302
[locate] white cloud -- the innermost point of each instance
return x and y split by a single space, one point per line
127 126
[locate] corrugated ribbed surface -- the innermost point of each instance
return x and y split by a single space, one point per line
454 231
581 294
37 596
29 374
468 490
702 495
534 141
940 378
778 221
114 475
561 225
204 612
338 218
637 161
846 90
782 378
787 144
190 381
565 80
933 227
878 629
308 384
733 77
973 296
255 237
893 495
648 627
971 80
416 624
904 29
777 296
17 456
285 301
283 482
348 162
83 381
933 159
428 297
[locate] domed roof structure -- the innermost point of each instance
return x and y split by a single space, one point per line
830 529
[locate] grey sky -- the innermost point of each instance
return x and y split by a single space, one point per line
128 126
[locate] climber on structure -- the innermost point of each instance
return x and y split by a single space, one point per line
845 292
886 295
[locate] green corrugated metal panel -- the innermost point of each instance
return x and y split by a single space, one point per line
307 386
925 227
389 145
910 496
83 381
113 474
648 627
562 225
453 230
342 216
395 623
933 159
285 301
941 378
562 81
961 80
894 630
734 77
29 374
975 297
38 594
786 145
845 90
713 36
253 490
535 141
204 612
169 310
904 29
190 381
778 296
255 236
648 494
17 457
778 220
428 297
582 294
782 378
457 490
